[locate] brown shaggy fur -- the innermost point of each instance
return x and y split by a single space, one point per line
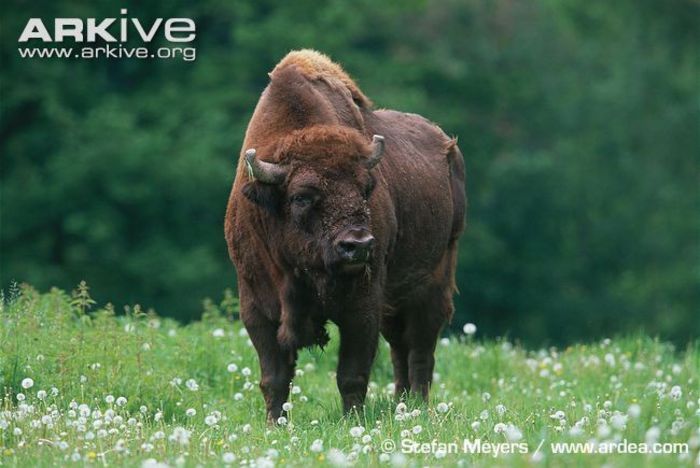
314 123
314 65
333 144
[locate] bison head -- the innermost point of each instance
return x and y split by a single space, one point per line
317 197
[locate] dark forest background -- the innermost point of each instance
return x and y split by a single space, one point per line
578 119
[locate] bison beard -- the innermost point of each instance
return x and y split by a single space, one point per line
342 213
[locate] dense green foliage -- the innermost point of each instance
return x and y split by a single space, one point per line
80 386
578 121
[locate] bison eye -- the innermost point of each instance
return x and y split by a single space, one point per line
302 200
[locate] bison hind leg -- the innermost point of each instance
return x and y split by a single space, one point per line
393 331
425 315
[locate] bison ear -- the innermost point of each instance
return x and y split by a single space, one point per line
264 195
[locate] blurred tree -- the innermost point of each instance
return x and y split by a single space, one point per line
578 121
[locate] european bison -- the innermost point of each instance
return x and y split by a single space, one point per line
346 214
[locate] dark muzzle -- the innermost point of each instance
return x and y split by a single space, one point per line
354 246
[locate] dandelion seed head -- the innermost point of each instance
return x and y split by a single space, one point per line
676 393
634 410
513 434
317 446
192 385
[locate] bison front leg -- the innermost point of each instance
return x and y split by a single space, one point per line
358 345
276 365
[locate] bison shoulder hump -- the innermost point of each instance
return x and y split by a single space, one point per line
315 65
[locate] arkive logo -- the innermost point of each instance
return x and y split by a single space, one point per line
108 31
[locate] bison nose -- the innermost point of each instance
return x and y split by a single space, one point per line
355 245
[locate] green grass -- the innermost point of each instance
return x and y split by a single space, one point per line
494 391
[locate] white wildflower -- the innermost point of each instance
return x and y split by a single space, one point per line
610 359
337 457
317 446
618 421
558 415
634 410
652 435
180 435
676 393
192 385
513 434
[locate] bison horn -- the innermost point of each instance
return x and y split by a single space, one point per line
377 151
265 172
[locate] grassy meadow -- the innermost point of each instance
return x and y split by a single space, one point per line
81 385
